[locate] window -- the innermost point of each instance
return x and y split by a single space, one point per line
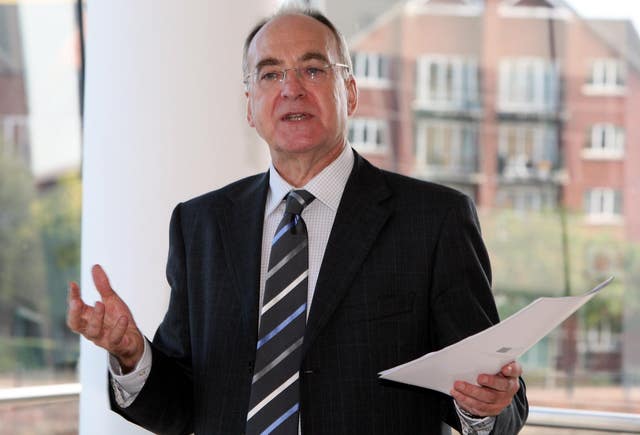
534 9
527 198
528 85
447 7
447 83
603 205
369 135
480 104
527 151
606 76
371 69
447 148
40 209
605 141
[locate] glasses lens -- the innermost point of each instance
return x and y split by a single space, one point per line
270 75
314 73
309 73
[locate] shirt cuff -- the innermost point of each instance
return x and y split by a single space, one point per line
126 387
472 425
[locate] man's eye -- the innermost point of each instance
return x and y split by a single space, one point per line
313 71
270 76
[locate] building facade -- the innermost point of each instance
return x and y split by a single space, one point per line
520 104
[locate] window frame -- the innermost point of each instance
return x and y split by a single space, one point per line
460 132
605 141
528 84
457 78
371 69
362 129
543 138
603 76
603 205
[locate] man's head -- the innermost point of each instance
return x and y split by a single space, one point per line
343 48
305 110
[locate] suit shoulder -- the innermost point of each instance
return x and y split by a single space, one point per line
432 193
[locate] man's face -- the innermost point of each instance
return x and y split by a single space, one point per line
295 116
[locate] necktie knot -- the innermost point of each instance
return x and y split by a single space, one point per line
297 200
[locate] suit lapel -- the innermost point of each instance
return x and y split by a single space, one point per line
241 229
361 215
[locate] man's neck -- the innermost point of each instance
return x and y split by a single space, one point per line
299 169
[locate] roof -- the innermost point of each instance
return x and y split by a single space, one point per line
620 35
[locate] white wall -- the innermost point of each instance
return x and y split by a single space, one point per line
164 121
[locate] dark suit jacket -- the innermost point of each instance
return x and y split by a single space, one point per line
405 272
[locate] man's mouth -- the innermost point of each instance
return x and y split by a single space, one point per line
296 116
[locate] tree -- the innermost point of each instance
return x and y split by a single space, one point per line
58 212
22 283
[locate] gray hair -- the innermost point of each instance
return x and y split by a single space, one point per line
343 49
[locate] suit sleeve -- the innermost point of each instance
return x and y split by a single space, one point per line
462 301
165 403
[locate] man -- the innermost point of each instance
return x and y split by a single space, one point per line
389 268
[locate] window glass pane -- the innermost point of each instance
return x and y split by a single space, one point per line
40 206
554 216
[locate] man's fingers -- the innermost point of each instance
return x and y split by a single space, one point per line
477 400
467 401
118 331
101 281
95 322
497 382
75 307
481 394
505 380
512 370
493 393
74 291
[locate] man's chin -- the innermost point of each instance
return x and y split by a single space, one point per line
300 145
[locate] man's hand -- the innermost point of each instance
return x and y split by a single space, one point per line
493 394
109 324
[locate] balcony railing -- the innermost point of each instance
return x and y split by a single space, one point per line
609 422
39 393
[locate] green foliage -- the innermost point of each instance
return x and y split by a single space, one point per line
528 261
40 240
525 251
22 280
57 213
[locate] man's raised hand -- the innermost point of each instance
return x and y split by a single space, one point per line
109 323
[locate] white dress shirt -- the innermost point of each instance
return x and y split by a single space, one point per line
327 188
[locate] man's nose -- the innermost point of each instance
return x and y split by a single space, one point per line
292 84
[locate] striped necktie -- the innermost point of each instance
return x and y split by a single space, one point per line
275 395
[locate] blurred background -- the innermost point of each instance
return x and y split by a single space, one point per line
530 107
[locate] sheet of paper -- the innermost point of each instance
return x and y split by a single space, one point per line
489 350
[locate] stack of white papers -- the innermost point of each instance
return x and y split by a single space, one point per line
489 350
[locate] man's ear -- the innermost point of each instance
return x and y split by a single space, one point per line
352 95
249 111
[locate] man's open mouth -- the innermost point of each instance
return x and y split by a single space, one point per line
296 116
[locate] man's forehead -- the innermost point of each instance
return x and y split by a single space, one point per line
291 37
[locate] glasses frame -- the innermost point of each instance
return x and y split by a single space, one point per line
297 69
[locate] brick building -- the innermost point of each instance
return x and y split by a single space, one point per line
520 104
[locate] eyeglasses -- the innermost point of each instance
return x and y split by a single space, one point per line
270 77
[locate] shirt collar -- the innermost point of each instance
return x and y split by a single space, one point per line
327 186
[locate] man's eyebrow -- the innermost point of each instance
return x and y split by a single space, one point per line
272 61
314 55
269 61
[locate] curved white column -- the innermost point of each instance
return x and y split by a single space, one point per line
164 121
